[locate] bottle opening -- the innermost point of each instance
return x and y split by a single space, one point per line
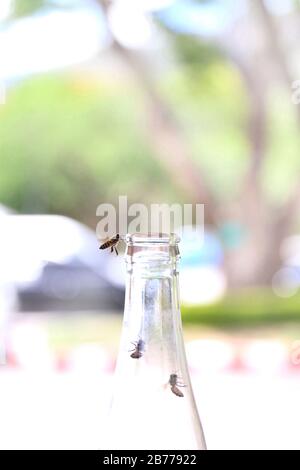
144 247
170 239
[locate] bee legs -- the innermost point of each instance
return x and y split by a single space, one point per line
116 251
134 347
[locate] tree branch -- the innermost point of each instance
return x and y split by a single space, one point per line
165 133
286 215
257 123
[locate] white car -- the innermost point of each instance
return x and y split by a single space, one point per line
54 263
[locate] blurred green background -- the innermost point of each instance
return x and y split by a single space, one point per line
186 101
175 89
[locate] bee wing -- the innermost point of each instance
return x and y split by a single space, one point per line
103 240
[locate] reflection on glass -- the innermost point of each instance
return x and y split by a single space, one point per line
153 406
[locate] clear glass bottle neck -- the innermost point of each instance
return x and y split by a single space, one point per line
152 391
152 294
152 254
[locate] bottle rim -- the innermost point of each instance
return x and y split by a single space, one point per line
170 239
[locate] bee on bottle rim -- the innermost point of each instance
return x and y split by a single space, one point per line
112 243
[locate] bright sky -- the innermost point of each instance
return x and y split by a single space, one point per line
50 40
208 19
4 9
59 38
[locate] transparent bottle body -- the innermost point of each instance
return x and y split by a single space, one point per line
153 405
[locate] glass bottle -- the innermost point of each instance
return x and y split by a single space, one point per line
153 406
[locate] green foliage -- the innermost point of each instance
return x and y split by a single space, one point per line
249 308
26 7
214 122
65 144
21 8
190 50
64 136
282 165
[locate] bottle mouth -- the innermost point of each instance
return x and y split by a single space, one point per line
170 239
152 247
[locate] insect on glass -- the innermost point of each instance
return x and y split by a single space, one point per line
138 349
174 383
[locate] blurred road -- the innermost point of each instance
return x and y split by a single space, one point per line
55 410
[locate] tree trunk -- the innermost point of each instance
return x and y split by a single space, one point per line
165 134
258 258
